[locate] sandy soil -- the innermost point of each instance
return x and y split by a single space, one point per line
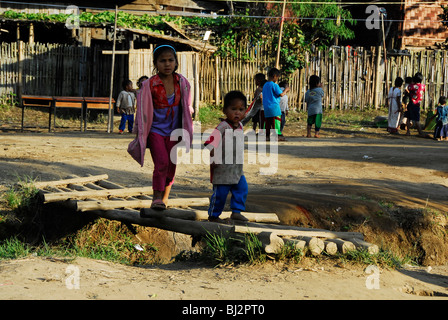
340 179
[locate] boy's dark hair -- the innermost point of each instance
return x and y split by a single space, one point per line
398 82
442 100
273 72
260 77
418 77
314 81
125 83
283 84
232 95
141 79
408 80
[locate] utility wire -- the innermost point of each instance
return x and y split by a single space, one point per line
202 15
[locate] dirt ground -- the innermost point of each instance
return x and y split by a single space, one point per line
359 179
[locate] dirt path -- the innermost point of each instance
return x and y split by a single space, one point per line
38 278
318 182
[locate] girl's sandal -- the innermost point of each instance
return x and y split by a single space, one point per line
158 204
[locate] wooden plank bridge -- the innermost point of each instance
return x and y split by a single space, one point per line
98 195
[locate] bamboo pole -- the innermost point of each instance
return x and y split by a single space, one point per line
277 61
110 126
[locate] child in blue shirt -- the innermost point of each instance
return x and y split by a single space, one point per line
271 103
441 129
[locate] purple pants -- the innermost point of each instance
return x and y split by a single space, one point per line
164 168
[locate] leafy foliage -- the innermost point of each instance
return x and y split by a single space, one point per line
309 26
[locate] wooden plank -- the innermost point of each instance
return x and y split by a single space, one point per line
203 215
111 204
81 195
299 233
43 184
194 228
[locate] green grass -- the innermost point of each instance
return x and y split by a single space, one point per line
21 196
210 114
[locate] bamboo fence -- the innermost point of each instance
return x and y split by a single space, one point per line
352 78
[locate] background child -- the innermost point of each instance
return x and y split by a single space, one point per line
254 113
404 102
271 103
283 105
126 106
441 129
228 177
313 98
394 103
164 105
416 91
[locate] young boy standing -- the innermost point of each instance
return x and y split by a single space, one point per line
271 103
226 160
313 98
126 106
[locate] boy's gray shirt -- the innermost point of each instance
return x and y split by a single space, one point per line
313 98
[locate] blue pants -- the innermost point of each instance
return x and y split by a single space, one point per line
130 119
237 201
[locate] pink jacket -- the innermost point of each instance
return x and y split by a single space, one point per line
144 116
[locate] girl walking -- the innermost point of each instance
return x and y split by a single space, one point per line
394 104
164 105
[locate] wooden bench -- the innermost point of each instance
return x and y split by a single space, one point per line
54 102
37 101
99 103
69 102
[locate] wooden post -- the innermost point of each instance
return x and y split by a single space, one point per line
217 93
315 245
343 245
19 76
385 56
31 36
196 86
277 62
330 247
376 91
110 125
271 242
